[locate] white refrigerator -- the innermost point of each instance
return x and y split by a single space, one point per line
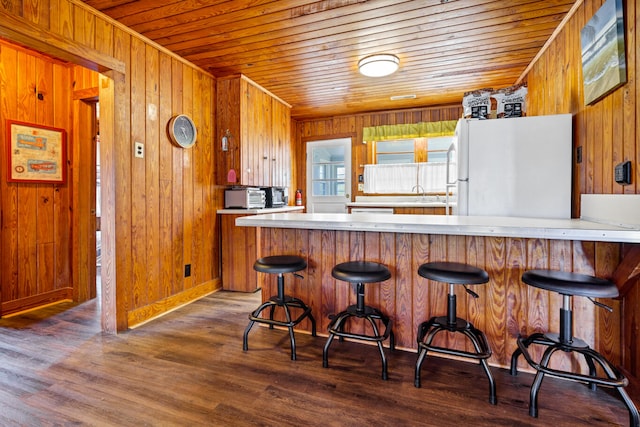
513 167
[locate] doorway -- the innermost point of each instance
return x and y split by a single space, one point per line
328 175
97 205
84 179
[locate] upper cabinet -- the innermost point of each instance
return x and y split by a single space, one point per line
256 128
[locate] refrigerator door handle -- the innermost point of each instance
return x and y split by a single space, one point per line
451 183
452 149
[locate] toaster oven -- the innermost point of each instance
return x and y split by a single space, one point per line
244 198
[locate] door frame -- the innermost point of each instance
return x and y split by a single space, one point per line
85 129
347 142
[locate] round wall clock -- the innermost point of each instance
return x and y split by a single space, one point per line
182 131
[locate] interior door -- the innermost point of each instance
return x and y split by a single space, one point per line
328 175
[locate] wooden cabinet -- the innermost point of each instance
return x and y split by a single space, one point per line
421 211
257 127
239 251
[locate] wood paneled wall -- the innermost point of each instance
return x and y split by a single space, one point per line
607 131
351 126
159 211
35 257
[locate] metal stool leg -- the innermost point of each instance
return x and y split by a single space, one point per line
374 327
292 338
537 382
286 302
336 324
634 417
480 344
427 332
336 329
452 323
525 342
255 314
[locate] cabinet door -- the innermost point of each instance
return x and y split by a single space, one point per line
421 211
228 123
266 139
257 119
281 156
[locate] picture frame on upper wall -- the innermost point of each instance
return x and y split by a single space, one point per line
604 65
36 153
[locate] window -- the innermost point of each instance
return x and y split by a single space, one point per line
400 151
437 148
328 171
429 150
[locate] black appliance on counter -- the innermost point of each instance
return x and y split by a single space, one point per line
275 197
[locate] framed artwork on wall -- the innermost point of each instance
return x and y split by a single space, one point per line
36 153
604 66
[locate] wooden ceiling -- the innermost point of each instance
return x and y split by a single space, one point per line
306 52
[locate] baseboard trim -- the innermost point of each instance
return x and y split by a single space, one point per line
142 315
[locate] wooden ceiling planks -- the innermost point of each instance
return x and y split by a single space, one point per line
306 52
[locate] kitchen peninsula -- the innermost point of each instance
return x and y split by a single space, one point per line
504 247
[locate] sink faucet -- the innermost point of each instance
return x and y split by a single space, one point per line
419 187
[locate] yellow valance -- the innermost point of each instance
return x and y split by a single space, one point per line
413 130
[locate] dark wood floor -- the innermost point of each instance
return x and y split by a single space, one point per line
188 369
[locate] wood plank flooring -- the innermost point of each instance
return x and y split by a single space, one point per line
188 369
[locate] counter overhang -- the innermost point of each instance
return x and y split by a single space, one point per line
541 228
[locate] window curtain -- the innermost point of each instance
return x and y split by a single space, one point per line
414 130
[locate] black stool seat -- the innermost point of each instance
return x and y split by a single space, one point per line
568 285
280 264
359 273
454 273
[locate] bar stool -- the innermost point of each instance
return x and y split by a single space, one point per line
569 284
454 273
280 264
359 273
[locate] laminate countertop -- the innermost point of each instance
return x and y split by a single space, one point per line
562 229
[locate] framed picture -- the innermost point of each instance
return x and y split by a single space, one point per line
36 153
604 66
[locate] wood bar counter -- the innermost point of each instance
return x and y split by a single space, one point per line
504 247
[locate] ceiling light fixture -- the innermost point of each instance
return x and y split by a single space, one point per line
378 65
400 97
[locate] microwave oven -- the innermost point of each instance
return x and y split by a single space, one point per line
244 198
275 197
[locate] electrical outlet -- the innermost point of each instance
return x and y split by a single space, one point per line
138 150
187 270
579 154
